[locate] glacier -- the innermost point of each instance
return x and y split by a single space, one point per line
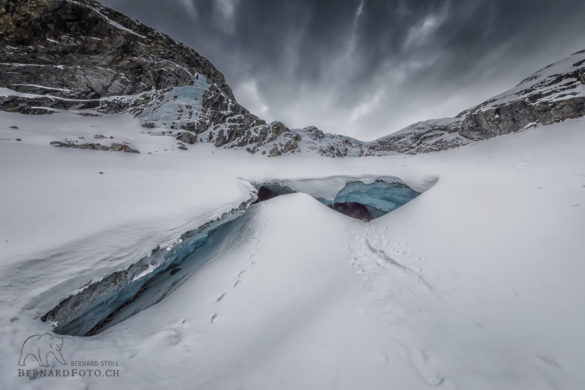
471 284
101 304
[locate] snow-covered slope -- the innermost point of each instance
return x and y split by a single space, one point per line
553 94
558 81
428 136
476 283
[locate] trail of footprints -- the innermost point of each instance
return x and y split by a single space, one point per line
394 277
251 263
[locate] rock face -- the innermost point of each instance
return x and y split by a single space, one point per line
82 50
429 136
114 147
553 94
74 55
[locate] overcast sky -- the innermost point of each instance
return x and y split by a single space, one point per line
366 68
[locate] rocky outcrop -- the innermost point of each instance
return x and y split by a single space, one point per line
83 50
186 137
421 137
114 147
518 115
553 94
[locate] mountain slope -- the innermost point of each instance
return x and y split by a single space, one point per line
82 50
65 54
553 94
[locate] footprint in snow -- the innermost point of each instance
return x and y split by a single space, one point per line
549 360
214 318
383 358
222 296
423 364
172 337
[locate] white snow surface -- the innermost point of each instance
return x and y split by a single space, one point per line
475 284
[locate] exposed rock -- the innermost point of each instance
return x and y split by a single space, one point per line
196 127
274 151
90 114
43 104
116 147
421 137
509 118
122 148
291 145
83 50
553 94
186 137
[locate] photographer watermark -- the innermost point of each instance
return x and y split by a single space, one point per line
42 356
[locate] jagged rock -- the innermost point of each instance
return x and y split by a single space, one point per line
509 118
277 129
116 147
197 127
186 137
274 151
90 114
421 137
122 148
43 105
290 146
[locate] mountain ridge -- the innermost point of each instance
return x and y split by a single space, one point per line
79 55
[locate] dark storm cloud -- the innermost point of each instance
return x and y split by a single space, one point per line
367 68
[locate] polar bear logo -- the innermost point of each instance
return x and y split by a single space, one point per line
40 347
